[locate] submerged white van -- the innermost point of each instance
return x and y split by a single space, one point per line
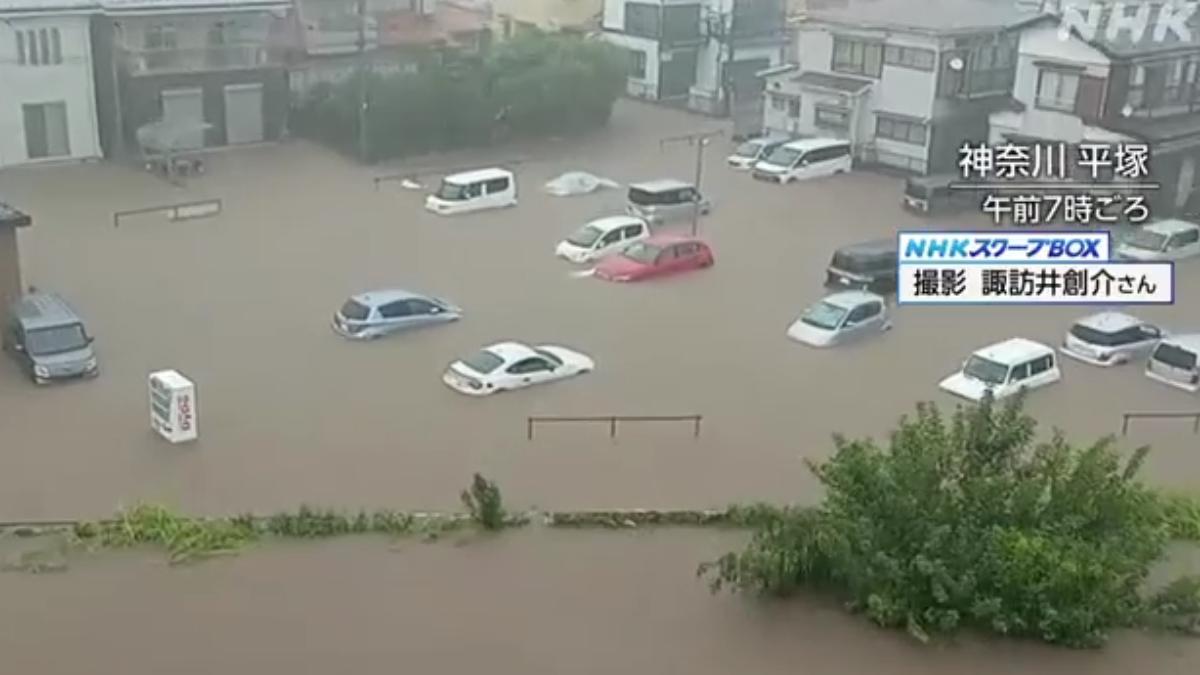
474 191
1176 361
805 159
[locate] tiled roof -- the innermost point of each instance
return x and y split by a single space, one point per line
926 16
28 6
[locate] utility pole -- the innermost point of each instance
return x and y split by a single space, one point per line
700 141
363 79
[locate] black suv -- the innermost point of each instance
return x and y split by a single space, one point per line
869 266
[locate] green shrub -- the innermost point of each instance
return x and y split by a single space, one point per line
483 501
533 85
969 522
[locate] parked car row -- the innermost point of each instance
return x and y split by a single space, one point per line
780 160
1105 339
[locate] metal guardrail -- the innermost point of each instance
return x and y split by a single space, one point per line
613 420
1126 418
186 211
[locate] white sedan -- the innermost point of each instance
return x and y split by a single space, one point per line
512 365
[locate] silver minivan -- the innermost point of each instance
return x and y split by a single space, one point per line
666 200
1175 362
48 339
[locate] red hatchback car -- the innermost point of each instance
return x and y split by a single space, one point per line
659 255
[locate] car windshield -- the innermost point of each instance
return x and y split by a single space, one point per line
642 252
355 311
824 315
55 340
985 370
1101 338
483 361
452 192
1146 240
1176 357
863 262
549 357
749 149
586 236
783 156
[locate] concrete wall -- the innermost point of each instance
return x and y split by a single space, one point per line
10 268
644 87
70 82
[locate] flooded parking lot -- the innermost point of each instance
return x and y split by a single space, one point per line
289 412
527 602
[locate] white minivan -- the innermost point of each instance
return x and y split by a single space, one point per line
474 191
804 159
602 237
1003 369
1176 361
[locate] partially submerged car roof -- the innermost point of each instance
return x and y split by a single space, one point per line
875 247
851 299
1013 351
1188 341
478 175
1170 226
1109 322
40 309
660 185
386 295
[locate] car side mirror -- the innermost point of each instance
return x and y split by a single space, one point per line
91 339
435 310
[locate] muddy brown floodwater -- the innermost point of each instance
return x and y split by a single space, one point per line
290 413
528 602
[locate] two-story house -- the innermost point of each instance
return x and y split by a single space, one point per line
700 53
907 83
47 98
1111 90
209 72
334 39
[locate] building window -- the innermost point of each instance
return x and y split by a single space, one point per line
831 117
979 70
903 129
1057 90
857 57
41 47
46 130
793 106
909 57
637 64
160 36
643 20
55 46
779 102
681 23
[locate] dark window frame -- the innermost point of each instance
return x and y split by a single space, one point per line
496 185
637 64
1055 105
820 108
903 56
864 57
894 122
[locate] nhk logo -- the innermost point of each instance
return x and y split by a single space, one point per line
1113 20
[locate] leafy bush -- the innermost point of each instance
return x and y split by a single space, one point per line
532 85
969 522
484 503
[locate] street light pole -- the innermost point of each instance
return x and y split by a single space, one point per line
700 141
362 80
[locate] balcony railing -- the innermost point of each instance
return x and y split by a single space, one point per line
223 57
321 41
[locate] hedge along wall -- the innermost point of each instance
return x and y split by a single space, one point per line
531 86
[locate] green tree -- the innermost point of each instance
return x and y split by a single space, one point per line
533 85
971 522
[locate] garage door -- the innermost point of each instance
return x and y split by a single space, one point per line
243 113
185 107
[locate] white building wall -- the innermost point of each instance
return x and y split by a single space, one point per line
1042 43
900 91
647 86
71 82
